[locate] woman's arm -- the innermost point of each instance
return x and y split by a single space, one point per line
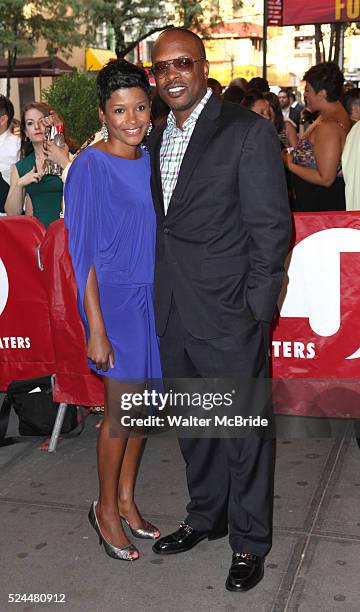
99 349
327 152
28 206
291 134
15 197
83 223
15 200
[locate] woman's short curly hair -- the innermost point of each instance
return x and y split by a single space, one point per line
120 74
328 76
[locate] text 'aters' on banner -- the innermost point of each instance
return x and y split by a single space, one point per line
316 342
26 347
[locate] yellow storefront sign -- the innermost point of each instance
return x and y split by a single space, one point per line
97 58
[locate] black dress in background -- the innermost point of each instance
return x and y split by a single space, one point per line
314 198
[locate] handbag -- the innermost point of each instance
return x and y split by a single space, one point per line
33 403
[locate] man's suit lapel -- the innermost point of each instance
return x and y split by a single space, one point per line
203 132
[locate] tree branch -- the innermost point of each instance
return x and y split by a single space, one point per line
124 51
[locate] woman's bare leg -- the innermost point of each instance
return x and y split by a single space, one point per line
129 471
110 455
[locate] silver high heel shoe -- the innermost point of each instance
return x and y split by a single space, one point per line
126 553
148 532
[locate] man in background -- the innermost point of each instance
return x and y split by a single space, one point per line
296 106
289 113
9 143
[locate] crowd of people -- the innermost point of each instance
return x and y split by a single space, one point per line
178 251
312 137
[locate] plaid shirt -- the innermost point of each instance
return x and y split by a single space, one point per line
173 148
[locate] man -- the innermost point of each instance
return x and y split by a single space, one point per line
295 105
223 231
288 111
9 143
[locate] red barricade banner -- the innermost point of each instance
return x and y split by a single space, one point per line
316 342
74 383
26 349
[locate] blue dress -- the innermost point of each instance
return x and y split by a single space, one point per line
111 222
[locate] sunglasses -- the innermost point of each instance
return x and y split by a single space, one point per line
182 64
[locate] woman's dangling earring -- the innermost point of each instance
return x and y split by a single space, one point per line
104 132
149 129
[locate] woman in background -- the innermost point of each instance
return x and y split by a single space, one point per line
286 129
255 101
316 161
40 194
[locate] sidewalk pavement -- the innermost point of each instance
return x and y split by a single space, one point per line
48 546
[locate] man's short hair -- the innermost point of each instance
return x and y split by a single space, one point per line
199 41
260 84
285 91
6 108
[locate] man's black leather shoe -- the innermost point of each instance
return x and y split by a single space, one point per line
184 539
245 572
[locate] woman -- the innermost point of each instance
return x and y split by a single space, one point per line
316 161
255 101
111 222
286 129
41 194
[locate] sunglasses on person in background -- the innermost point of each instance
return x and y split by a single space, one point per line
182 64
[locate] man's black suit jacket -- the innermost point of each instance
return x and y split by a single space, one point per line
221 247
295 114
